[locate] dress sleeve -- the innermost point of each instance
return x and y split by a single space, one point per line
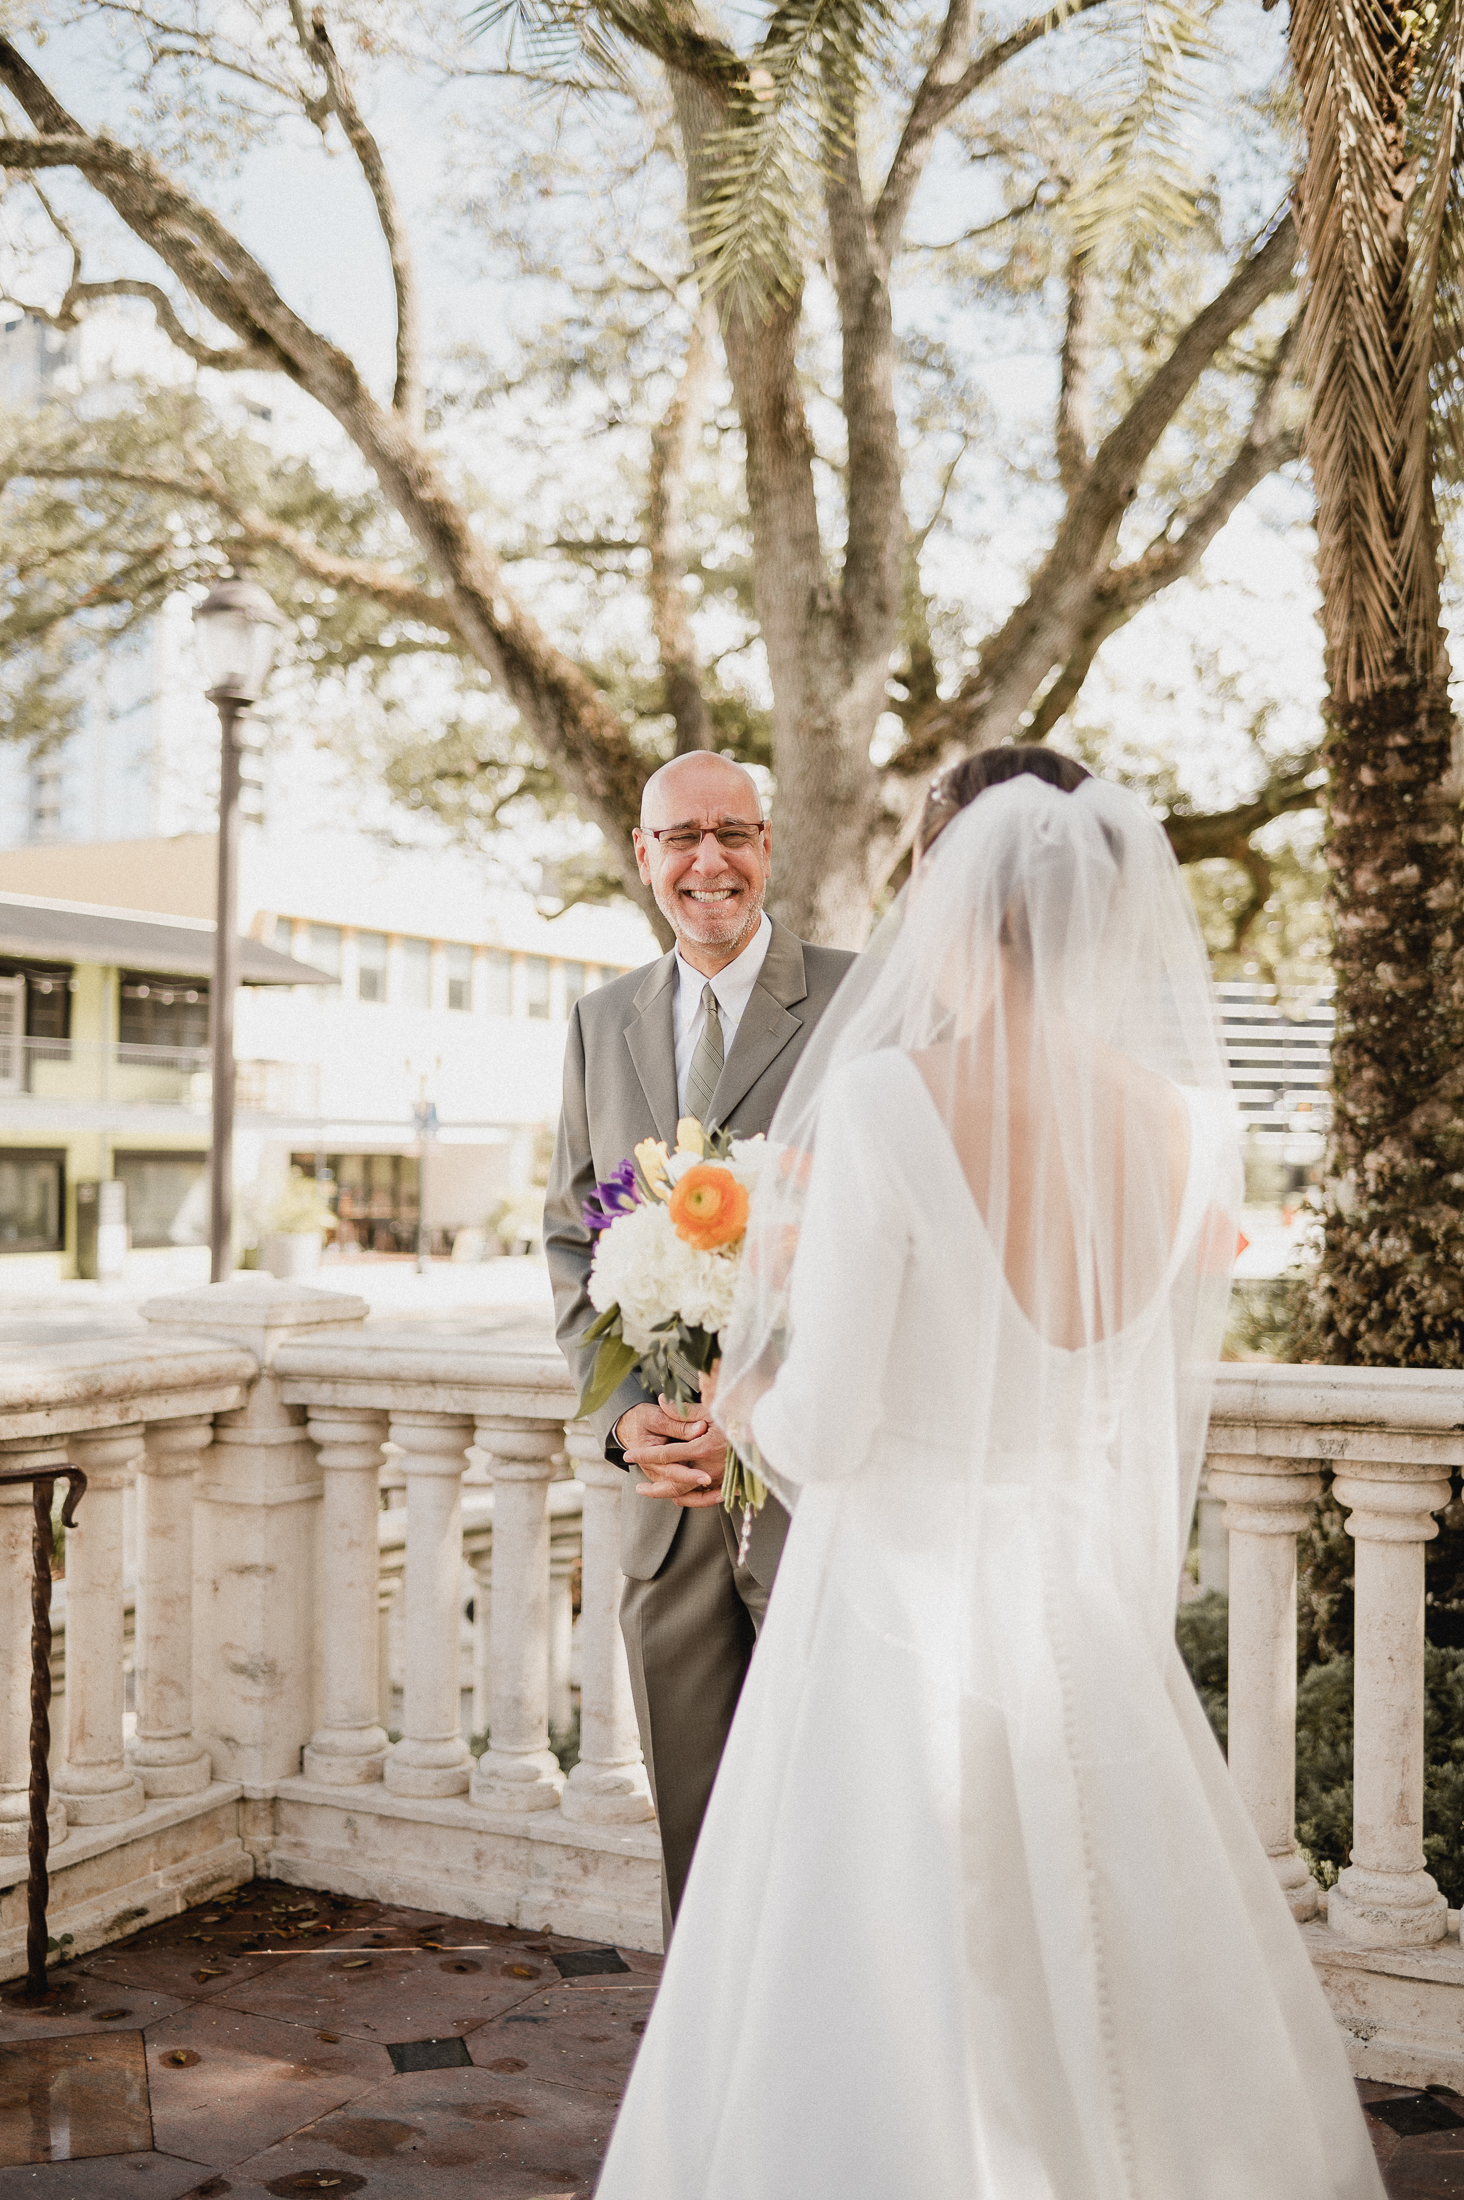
817 1421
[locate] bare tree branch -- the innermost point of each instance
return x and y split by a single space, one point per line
948 83
358 576
562 707
875 529
1075 386
673 442
1046 628
1228 832
406 397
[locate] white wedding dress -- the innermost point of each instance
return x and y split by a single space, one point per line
976 1913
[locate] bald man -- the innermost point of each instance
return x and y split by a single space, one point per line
713 1029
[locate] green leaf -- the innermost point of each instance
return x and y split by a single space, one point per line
601 1325
613 1362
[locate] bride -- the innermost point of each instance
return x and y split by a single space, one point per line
976 1913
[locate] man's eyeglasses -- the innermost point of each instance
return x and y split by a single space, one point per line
684 840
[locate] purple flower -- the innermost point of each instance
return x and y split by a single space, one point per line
616 1197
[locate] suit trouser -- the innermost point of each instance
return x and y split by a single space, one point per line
689 1634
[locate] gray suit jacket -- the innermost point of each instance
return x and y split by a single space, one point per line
620 1087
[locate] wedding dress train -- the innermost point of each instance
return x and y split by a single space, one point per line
976 1912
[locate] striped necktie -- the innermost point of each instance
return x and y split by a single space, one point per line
706 1063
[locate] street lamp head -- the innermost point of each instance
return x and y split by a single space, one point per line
237 627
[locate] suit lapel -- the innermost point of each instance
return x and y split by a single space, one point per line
769 1021
651 1038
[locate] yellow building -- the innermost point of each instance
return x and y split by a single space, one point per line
104 1072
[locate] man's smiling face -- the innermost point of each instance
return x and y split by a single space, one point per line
710 896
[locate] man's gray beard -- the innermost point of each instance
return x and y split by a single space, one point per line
741 939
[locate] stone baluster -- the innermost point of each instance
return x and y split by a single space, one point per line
608 1787
349 1746
431 1758
95 1781
518 1771
1385 1898
16 1519
1266 1507
164 1752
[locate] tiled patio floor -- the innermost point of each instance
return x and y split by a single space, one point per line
191 2062
188 2061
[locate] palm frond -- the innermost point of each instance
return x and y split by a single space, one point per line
799 100
1431 379
1145 175
1353 238
571 40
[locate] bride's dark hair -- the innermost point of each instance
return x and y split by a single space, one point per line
959 784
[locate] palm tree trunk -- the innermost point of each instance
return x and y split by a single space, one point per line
1390 1290
1391 1287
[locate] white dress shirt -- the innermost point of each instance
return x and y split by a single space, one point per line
733 988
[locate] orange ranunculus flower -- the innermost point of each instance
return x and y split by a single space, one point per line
709 1207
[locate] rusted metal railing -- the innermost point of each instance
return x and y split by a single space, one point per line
43 1482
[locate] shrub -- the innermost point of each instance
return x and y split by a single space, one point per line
1324 1744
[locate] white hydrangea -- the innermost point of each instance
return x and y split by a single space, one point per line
645 1269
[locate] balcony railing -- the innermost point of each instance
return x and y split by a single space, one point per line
282 1616
65 1073
278 1607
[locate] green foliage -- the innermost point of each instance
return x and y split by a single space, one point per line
1325 1566
1263 1315
303 1207
1324 1766
1324 1736
1201 1629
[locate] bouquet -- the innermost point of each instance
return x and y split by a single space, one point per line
668 1230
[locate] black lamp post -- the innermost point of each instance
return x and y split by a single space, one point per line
237 627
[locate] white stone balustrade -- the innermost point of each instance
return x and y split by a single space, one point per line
1266 1507
431 1759
608 1786
94 1780
165 1752
1385 1898
1393 1437
111 1406
350 1745
518 1771
253 1415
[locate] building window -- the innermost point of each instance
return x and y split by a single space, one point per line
459 976
536 985
498 983
46 990
576 982
159 1011
322 948
416 974
32 1200
167 1197
371 966
375 1196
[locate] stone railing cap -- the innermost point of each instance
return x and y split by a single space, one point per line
413 1354
429 1371
255 1302
52 1379
1357 1397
